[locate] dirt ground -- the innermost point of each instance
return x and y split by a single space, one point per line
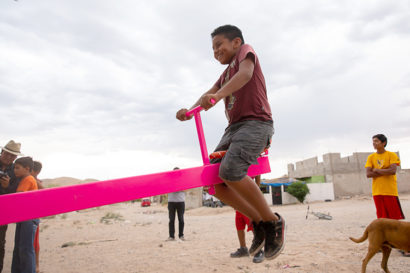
128 238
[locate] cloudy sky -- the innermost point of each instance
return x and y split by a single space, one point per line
91 88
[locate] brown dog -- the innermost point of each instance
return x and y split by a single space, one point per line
385 234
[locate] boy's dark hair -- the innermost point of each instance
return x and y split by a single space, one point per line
37 166
26 162
382 138
229 31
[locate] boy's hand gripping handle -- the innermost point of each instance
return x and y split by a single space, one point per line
197 109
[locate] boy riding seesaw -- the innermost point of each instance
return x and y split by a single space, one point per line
242 86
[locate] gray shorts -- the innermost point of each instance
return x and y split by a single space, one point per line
244 141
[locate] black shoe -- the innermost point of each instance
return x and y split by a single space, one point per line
258 238
240 252
259 257
275 237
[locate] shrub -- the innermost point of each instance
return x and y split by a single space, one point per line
299 190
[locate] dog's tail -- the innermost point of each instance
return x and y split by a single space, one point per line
361 239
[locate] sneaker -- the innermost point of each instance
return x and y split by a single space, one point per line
182 238
259 257
170 239
240 252
275 237
258 238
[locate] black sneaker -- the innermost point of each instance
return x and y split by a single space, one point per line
259 257
240 252
258 238
275 237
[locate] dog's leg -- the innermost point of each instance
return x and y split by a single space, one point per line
386 253
372 251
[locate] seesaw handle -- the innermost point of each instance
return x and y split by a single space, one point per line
205 159
197 109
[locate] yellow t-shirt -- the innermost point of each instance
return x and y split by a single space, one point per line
385 184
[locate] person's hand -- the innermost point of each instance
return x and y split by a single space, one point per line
4 181
181 115
206 100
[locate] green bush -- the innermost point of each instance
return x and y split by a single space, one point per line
299 190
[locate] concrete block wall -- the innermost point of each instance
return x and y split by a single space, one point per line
403 180
193 198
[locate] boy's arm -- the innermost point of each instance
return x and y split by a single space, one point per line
370 173
258 180
391 170
181 114
5 181
39 184
241 78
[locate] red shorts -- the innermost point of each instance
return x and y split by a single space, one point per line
241 221
36 243
388 206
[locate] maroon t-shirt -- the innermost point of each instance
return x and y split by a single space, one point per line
251 101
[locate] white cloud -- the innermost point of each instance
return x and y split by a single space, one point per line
90 88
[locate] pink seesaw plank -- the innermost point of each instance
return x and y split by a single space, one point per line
36 204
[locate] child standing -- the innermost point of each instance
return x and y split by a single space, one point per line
37 166
24 260
242 86
241 221
382 166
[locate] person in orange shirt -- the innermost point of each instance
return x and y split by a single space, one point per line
24 258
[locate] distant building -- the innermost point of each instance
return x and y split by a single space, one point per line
347 174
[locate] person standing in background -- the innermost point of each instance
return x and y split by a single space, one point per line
176 204
8 184
37 166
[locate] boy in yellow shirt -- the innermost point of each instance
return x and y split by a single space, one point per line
382 166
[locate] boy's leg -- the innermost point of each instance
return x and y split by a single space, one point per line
242 251
381 211
3 230
393 207
250 192
248 140
241 237
15 262
171 214
180 211
240 223
26 248
233 199
37 248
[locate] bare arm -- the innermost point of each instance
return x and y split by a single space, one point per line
391 170
242 77
4 181
370 173
181 114
39 184
258 179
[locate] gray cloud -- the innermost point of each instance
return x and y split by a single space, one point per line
99 81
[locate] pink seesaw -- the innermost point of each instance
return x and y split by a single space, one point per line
35 204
